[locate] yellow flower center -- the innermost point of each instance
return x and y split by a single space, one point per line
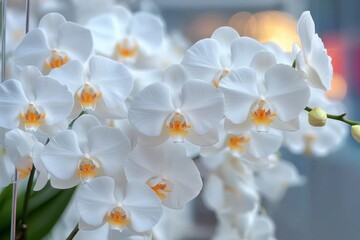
237 144
87 169
24 172
127 50
117 218
88 96
56 59
160 186
261 117
178 127
32 118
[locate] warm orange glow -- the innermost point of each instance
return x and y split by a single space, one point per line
117 218
32 118
338 88
275 26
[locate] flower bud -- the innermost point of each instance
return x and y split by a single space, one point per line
317 117
355 131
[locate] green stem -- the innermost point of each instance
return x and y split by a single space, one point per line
23 226
73 121
73 232
340 117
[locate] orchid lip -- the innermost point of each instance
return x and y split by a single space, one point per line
32 117
178 127
118 218
87 96
87 168
262 116
161 186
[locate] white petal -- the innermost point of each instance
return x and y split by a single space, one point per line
320 62
70 75
174 77
65 184
104 29
202 60
144 163
143 205
231 127
225 36
148 30
262 61
306 30
54 98
81 127
27 78
50 23
95 199
43 175
243 50
150 108
61 155
33 50
287 91
19 144
263 144
213 193
76 41
240 92
110 147
291 125
185 188
208 139
6 170
113 78
12 101
203 105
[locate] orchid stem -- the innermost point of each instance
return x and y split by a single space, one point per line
73 121
340 117
73 232
23 227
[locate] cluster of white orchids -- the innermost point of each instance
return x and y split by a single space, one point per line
118 108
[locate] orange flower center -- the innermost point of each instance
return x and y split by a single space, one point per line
117 218
56 59
127 50
178 127
261 117
160 186
32 118
220 76
87 169
88 96
237 144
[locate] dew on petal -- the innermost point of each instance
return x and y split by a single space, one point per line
160 186
127 50
261 117
237 144
117 218
178 127
87 169
32 117
88 96
56 59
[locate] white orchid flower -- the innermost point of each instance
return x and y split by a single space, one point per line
24 151
87 151
249 146
104 90
125 36
229 194
313 61
33 100
214 58
167 171
318 141
272 102
178 108
137 208
273 182
54 43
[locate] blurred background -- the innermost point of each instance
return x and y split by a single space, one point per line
327 207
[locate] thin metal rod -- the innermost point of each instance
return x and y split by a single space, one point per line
3 40
13 206
27 9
